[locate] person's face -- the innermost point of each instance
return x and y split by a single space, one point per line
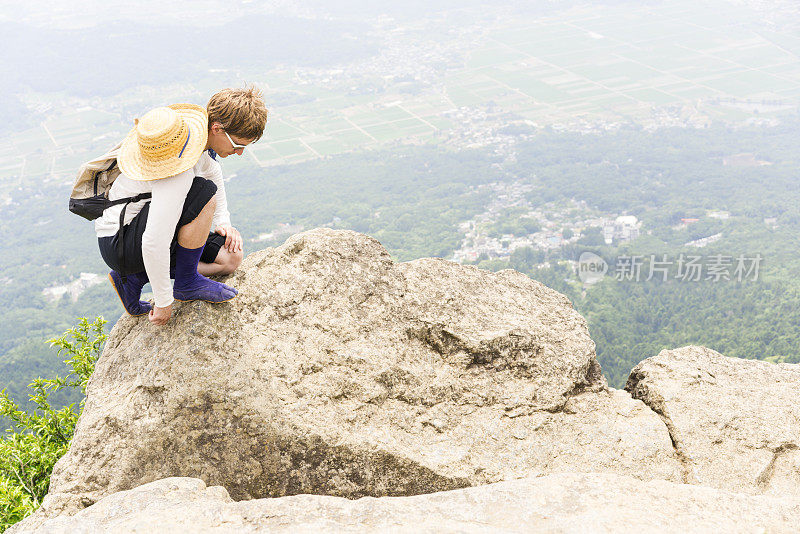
223 143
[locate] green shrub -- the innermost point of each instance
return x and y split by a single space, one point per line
41 436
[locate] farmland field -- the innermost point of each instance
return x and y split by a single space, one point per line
616 64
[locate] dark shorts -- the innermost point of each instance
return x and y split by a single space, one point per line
199 194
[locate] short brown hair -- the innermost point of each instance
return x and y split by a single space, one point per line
240 111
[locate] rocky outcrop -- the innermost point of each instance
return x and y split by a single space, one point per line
338 371
735 423
567 502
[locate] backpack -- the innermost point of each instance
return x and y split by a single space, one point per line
89 197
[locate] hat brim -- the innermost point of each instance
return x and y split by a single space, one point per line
134 165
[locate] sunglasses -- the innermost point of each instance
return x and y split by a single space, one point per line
235 146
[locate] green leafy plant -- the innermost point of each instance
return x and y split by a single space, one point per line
41 436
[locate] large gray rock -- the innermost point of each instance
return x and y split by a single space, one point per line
337 371
566 502
735 422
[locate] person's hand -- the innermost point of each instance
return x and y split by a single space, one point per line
233 239
160 316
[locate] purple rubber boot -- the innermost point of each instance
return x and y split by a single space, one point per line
191 285
226 286
130 291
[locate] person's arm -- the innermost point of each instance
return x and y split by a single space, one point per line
213 172
166 204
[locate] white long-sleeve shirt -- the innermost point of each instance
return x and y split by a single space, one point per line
166 205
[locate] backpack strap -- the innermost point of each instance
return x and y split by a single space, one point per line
128 200
97 173
121 231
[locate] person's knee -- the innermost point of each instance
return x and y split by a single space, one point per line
211 205
234 261
230 261
203 218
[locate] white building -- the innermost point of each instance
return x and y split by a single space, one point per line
625 228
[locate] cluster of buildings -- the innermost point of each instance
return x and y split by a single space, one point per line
557 225
74 288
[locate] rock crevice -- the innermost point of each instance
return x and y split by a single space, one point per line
639 391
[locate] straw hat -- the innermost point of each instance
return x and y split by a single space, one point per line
166 141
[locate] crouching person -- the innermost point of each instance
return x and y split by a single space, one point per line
168 235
